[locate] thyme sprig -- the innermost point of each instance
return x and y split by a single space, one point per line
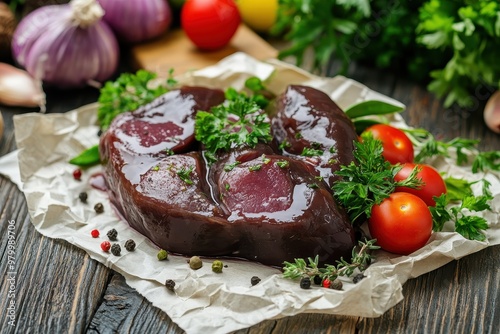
361 259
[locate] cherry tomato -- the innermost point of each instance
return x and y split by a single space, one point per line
402 223
433 182
210 24
397 146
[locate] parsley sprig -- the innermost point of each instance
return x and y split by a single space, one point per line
129 92
369 179
429 146
236 123
361 258
456 205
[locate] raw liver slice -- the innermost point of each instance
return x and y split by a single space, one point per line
270 214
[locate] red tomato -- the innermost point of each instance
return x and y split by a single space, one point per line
210 24
401 224
433 182
397 145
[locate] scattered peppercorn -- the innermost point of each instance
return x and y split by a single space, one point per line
162 255
83 197
99 208
195 263
254 280
116 249
217 266
358 278
112 234
105 246
130 245
94 233
99 133
305 282
336 284
170 284
326 283
77 174
317 280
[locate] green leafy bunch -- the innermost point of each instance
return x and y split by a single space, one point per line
470 30
238 122
127 93
323 25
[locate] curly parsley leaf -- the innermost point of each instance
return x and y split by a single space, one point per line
369 179
129 92
238 122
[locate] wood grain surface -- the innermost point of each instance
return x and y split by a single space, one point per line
59 289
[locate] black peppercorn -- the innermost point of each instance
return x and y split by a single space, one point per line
116 249
254 280
336 284
317 280
99 133
358 278
99 208
130 245
83 197
112 234
170 284
305 282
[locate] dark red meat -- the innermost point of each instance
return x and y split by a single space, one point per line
253 203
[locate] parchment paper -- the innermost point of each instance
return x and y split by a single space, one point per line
206 302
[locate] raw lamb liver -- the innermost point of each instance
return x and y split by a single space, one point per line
252 203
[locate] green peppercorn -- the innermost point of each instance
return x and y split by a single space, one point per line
217 266
130 245
116 249
336 284
195 263
305 282
255 280
99 208
83 197
162 255
112 234
170 284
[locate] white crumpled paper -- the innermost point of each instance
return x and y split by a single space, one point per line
206 302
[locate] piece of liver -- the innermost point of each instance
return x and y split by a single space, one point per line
268 207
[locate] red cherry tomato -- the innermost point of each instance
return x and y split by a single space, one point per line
433 182
401 224
210 24
397 146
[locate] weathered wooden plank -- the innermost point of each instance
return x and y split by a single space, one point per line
57 285
123 310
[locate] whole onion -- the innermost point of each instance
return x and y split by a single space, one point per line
137 20
67 45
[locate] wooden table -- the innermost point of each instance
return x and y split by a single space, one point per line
59 289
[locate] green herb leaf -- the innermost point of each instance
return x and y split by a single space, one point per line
369 179
87 158
372 107
185 174
237 123
127 93
457 189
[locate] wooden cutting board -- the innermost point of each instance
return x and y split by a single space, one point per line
175 50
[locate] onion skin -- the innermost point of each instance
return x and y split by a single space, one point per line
19 89
492 112
30 29
136 21
67 46
1 126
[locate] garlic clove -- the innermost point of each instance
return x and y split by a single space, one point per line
492 112
18 88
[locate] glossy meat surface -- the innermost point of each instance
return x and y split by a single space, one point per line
252 203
